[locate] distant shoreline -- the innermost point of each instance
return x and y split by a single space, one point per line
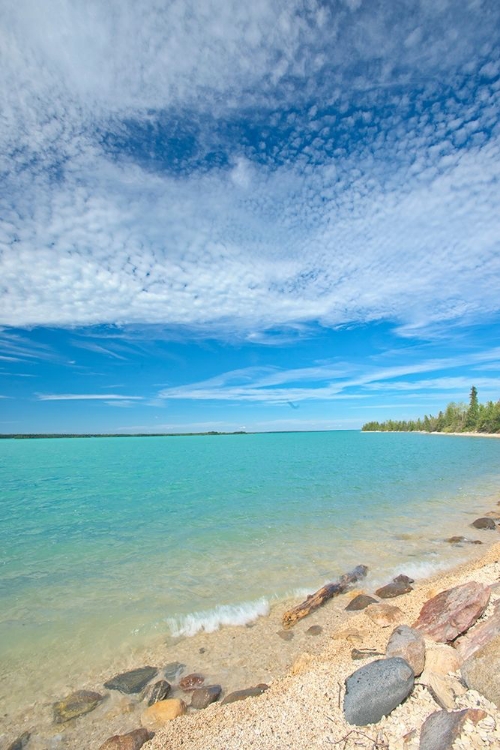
211 433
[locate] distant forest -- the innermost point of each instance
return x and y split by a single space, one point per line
471 417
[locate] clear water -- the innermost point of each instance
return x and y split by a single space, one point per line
106 542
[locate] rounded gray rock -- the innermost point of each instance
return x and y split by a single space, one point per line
376 689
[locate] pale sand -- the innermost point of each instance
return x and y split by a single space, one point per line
303 710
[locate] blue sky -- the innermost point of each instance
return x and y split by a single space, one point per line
262 216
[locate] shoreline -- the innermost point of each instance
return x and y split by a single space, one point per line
205 652
303 708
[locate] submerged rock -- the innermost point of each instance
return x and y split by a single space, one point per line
157 692
131 741
453 611
78 703
133 681
285 635
375 690
173 670
314 630
251 692
484 523
204 696
191 681
361 601
462 540
159 714
409 645
21 742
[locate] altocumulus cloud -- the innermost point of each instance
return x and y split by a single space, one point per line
241 166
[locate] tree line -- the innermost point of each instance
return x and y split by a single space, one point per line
457 417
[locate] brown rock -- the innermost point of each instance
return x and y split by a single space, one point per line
360 602
76 704
285 635
396 588
314 630
204 696
191 681
462 540
384 614
131 741
480 636
159 714
452 612
401 578
484 523
409 645
240 695
481 671
441 729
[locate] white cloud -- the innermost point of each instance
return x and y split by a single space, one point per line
108 397
357 178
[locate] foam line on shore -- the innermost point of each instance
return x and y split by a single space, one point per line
211 620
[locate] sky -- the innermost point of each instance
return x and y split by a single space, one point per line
246 216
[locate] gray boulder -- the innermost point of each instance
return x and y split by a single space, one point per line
484 523
376 689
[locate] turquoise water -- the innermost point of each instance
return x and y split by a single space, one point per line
105 541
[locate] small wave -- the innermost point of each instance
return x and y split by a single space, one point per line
213 619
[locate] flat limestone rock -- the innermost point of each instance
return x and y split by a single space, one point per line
133 681
159 714
481 635
131 741
441 659
375 690
481 671
78 703
409 644
453 611
204 696
441 729
484 523
384 614
444 688
361 601
240 695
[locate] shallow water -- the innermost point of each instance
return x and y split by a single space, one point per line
110 546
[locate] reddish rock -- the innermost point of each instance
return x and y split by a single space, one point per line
441 729
452 612
159 714
131 741
480 636
191 681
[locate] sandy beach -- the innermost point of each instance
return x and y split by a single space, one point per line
303 709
